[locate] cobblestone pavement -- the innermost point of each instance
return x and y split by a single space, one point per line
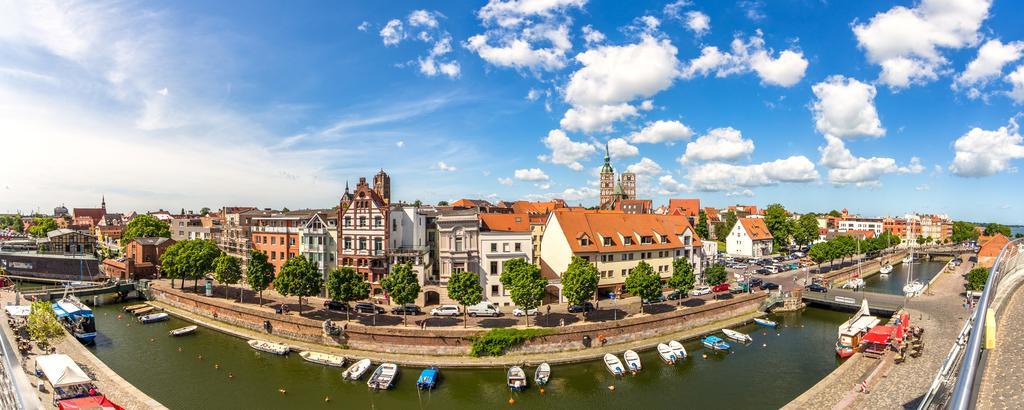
831 390
1004 376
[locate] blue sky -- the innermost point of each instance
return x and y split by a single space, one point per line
880 107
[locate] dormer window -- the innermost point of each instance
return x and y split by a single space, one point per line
628 240
608 242
646 240
664 238
584 241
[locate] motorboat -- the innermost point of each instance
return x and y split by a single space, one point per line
613 364
908 259
154 317
182 331
542 374
737 336
632 361
132 308
855 283
76 317
428 378
516 379
143 310
356 370
913 288
885 270
384 377
851 331
269 347
677 349
765 322
323 358
666 353
715 343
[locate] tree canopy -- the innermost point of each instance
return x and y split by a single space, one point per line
728 221
579 281
682 275
976 279
196 258
805 230
643 282
524 284
994 228
41 225
345 285
12 222
299 277
259 273
464 287
145 226
716 275
781 227
228 270
401 285
42 324
702 225
963 232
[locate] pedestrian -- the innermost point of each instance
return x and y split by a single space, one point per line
561 322
549 309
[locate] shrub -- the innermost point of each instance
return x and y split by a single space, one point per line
496 341
976 278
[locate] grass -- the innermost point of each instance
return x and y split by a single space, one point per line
496 342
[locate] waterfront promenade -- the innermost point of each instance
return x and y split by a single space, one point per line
1004 372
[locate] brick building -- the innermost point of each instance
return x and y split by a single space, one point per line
362 229
141 259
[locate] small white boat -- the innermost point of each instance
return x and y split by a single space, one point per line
154 317
269 347
765 322
632 361
885 270
356 370
613 364
666 353
323 358
516 379
908 259
384 377
913 288
181 331
855 283
677 349
737 336
542 374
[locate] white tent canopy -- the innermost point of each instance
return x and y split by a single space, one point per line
61 371
18 311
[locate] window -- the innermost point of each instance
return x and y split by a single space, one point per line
362 221
291 255
348 221
348 243
627 240
504 247
608 242
377 222
394 225
273 240
273 255
494 290
362 244
646 240
458 244
519 247
584 241
291 241
494 268
378 244
625 272
494 247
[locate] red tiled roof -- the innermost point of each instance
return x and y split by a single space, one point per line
93 213
686 207
992 245
615 226
543 208
756 228
505 222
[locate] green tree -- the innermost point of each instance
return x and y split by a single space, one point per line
921 240
464 287
259 273
963 232
204 211
417 203
170 264
285 209
40 226
820 252
835 214
579 281
716 275
442 203
299 277
402 286
702 225
228 270
345 285
145 226
777 219
524 284
994 228
722 229
196 259
976 279
805 230
42 324
682 275
643 282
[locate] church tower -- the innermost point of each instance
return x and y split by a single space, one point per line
103 202
628 181
607 179
382 185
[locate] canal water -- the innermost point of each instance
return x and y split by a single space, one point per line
924 270
192 372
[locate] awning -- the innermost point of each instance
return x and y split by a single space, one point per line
879 334
61 371
89 403
18 311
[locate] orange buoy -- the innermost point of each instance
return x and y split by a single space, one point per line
511 401
612 387
705 356
282 391
541 390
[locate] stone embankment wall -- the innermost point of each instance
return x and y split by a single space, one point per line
455 340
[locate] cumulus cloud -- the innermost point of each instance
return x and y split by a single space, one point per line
1016 80
907 42
432 64
505 181
531 174
717 176
591 36
530 35
510 13
364 26
593 118
699 23
669 185
982 152
441 165
619 148
392 33
662 131
720 144
423 18
749 56
646 166
423 26
617 74
847 169
992 57
565 151
569 194
845 108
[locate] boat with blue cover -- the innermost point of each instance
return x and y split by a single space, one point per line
765 322
715 343
76 317
428 378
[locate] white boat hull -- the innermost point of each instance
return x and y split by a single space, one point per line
270 347
614 365
356 371
323 358
677 349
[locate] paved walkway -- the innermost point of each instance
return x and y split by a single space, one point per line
1001 387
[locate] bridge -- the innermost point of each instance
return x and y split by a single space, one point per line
951 251
845 299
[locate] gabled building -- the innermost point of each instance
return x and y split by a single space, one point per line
363 232
141 259
750 237
538 214
989 249
67 242
688 207
503 237
88 218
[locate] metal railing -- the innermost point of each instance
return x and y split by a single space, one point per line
955 386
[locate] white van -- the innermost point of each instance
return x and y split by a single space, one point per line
484 309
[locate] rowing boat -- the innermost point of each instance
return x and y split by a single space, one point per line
181 331
632 361
269 347
737 336
356 370
765 322
542 374
384 377
155 317
516 379
677 349
323 358
666 353
613 364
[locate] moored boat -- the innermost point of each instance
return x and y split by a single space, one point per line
269 347
855 283
132 308
913 288
715 343
908 259
613 364
737 336
384 377
851 331
542 374
181 331
632 361
666 353
765 322
154 317
885 270
76 317
516 379
428 378
356 370
142 310
323 358
677 349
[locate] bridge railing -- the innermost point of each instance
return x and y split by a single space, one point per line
955 386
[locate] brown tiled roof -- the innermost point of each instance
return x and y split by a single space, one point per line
712 214
542 208
96 214
685 207
616 225
471 203
505 222
756 228
992 245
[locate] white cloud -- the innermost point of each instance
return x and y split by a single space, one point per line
423 18
662 131
720 144
431 65
992 57
528 35
619 148
670 186
845 168
392 33
646 166
400 144
675 9
505 181
845 108
590 119
1016 79
518 52
617 74
441 165
650 23
922 187
717 176
565 151
907 42
742 192
982 152
591 36
364 26
531 174
699 23
751 55
569 194
509 13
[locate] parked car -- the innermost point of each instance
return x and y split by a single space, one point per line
445 310
406 309
657 299
484 309
737 288
772 269
676 295
763 271
585 307
740 266
755 282
335 305
520 312
722 287
366 307
814 287
769 286
700 290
